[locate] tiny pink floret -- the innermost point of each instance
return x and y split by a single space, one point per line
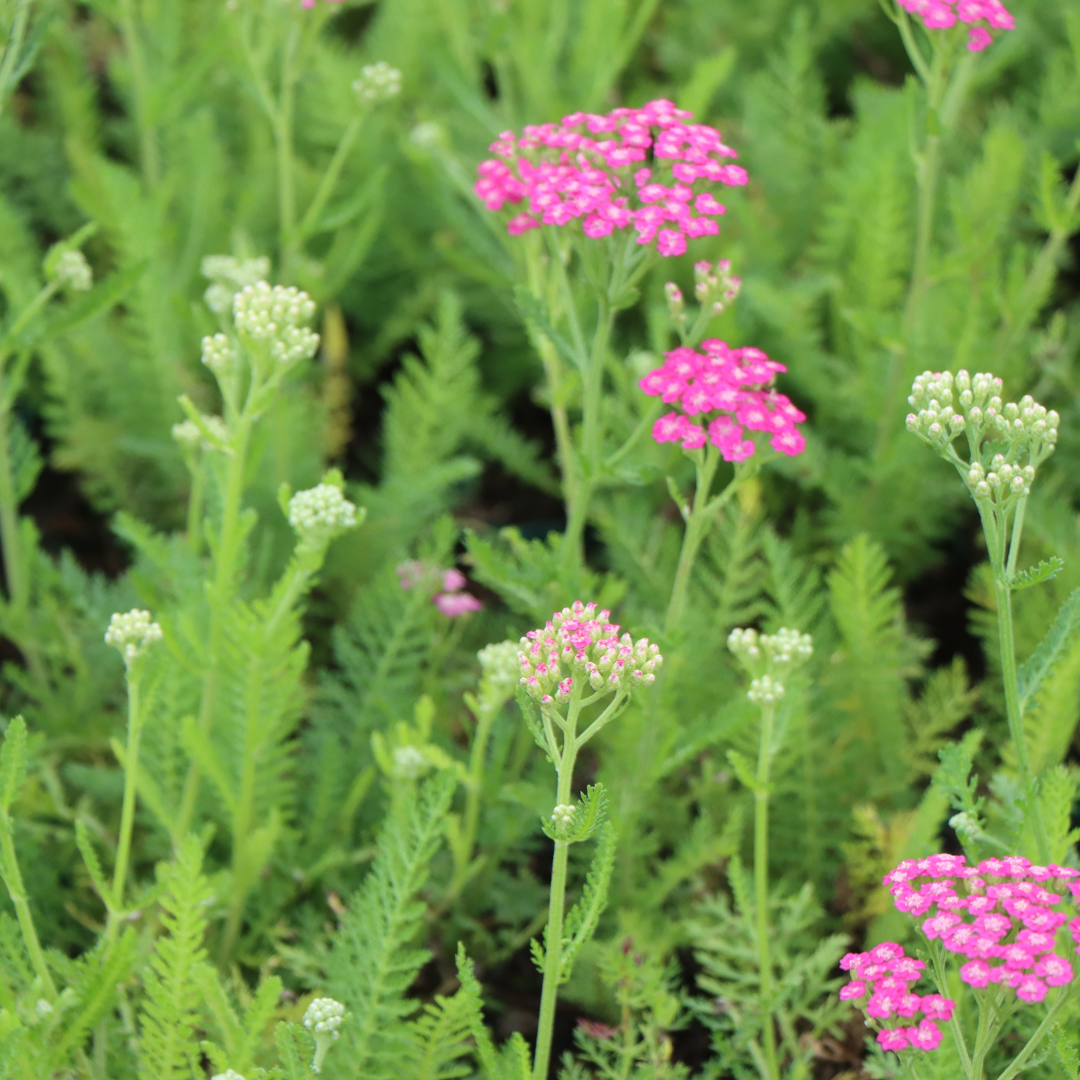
980 16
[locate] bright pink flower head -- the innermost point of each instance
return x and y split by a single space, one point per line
927 1036
311 3
589 168
728 392
894 1039
980 16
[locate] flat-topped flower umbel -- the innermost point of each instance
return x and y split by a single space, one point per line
649 168
978 15
719 393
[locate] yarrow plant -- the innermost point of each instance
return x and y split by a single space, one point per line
618 188
1002 921
1006 444
592 168
323 1019
571 666
768 659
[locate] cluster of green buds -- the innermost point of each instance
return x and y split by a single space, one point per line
1007 442
563 815
228 1074
132 633
274 317
228 275
220 355
768 657
716 286
377 82
72 271
588 644
500 673
212 435
410 763
321 513
323 1019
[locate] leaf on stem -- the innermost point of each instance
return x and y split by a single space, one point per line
12 763
1058 640
1047 570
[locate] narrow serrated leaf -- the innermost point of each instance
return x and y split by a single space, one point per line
1047 570
1061 636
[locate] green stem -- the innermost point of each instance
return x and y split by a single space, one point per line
18 581
1040 1033
283 139
329 180
127 814
227 556
761 886
1015 716
196 503
485 718
696 528
557 903
17 891
148 149
12 50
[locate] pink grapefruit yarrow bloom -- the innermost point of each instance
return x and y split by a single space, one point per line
454 604
722 393
311 3
649 169
887 974
980 16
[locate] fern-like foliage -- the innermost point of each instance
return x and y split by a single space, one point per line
171 1009
375 958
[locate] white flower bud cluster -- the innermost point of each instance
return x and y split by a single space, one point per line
588 644
219 354
275 315
323 1018
377 82
72 271
500 667
321 513
1026 427
228 1074
189 436
132 633
562 815
229 275
717 286
766 656
765 690
410 763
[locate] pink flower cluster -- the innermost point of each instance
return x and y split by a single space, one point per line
589 644
724 390
887 974
451 600
311 3
630 167
999 915
943 14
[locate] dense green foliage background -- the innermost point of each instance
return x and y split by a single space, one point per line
146 118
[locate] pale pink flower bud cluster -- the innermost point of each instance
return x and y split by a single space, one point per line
719 393
311 3
1000 916
647 168
716 285
580 642
885 976
451 599
944 14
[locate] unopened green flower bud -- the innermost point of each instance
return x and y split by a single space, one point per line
410 763
73 272
132 633
219 355
276 316
321 513
323 1019
377 82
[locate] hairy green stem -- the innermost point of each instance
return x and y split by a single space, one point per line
227 557
13 879
127 813
196 505
557 902
485 719
15 573
1040 1033
283 139
761 886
